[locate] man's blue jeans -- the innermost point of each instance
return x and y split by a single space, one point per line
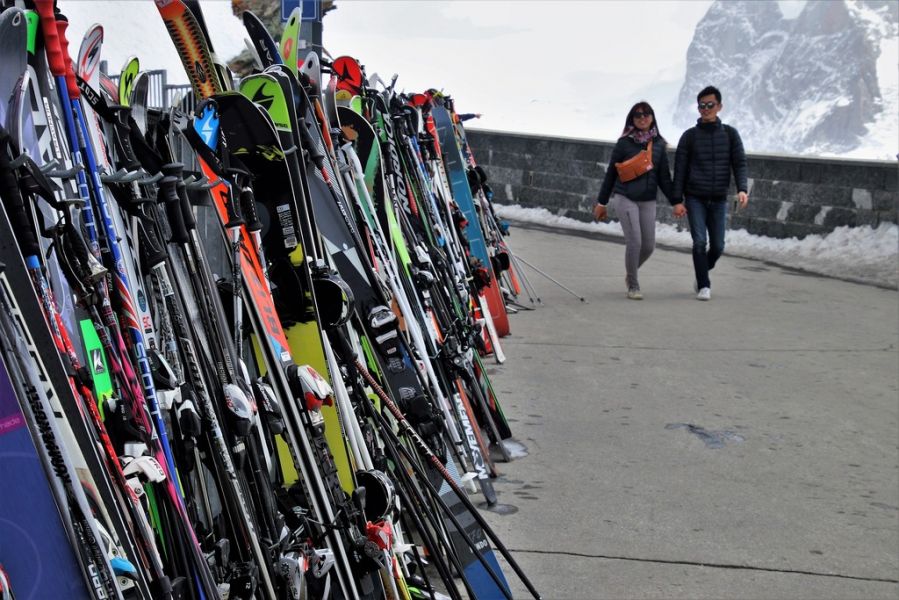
707 229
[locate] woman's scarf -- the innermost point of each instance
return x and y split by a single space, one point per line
640 136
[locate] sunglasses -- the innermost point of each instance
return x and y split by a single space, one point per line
707 105
640 115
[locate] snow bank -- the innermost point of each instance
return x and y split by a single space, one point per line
862 254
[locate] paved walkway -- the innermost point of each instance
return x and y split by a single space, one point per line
747 447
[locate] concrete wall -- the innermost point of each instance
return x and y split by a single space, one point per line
789 196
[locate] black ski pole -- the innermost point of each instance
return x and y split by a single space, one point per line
406 428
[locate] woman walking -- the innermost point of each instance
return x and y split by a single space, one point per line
637 169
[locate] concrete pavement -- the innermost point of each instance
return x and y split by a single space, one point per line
746 447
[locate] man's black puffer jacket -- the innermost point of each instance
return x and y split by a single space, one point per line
643 188
706 156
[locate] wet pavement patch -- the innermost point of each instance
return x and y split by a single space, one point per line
711 439
500 509
515 449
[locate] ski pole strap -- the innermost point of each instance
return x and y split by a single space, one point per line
309 144
120 118
15 204
203 151
152 251
33 181
147 156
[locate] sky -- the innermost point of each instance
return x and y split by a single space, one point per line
563 67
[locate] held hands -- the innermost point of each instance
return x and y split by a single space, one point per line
743 199
680 210
600 213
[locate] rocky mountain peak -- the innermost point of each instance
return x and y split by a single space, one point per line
808 85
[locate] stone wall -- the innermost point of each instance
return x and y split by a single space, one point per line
789 196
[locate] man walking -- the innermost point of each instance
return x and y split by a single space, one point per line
706 156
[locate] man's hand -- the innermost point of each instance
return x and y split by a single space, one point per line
600 213
680 210
743 199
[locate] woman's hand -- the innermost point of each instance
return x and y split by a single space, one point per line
600 213
679 210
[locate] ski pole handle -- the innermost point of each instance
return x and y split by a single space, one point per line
231 200
174 170
51 37
168 193
187 212
248 205
62 23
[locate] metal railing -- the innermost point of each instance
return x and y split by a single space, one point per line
162 94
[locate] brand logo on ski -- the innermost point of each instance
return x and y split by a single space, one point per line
90 59
207 126
202 77
263 99
97 362
93 98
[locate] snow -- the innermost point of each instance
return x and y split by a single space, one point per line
882 139
861 254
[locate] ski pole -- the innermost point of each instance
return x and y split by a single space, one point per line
581 298
61 67
82 395
432 458
526 282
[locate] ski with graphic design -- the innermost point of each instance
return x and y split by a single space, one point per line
290 40
434 228
34 374
126 80
289 274
364 138
278 365
34 549
382 324
492 296
139 394
33 131
266 48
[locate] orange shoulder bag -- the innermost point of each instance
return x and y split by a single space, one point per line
636 165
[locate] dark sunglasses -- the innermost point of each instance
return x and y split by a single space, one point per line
640 115
707 105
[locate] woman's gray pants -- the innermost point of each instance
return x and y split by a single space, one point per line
638 222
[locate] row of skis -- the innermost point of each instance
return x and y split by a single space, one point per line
242 344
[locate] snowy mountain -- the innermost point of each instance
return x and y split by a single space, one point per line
825 82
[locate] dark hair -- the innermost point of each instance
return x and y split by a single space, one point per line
629 121
708 91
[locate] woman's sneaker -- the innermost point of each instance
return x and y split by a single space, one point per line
634 294
704 294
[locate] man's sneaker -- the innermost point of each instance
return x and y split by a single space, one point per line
634 294
704 294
